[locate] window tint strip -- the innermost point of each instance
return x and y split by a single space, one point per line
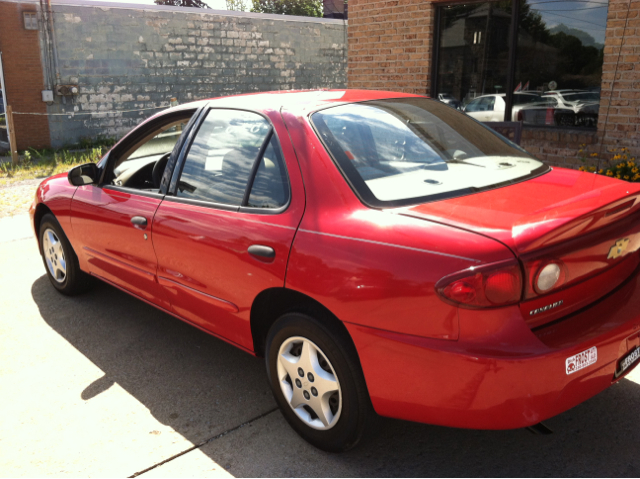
178 150
271 188
188 141
256 165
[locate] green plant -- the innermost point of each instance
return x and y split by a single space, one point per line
100 140
305 8
621 165
183 3
41 163
237 5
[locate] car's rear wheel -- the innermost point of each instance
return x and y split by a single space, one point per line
317 381
60 261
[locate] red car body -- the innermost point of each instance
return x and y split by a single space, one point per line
377 271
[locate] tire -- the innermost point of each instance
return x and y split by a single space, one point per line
60 261
336 387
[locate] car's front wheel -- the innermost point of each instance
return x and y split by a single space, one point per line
60 260
317 381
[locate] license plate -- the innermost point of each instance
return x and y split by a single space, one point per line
628 361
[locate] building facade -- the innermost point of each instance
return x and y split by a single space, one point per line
108 66
568 70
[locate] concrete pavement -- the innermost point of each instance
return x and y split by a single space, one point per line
105 385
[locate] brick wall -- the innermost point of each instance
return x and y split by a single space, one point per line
390 45
561 147
619 119
23 75
621 95
138 57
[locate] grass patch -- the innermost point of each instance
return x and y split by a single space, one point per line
43 163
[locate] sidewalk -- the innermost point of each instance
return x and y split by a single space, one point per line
15 198
105 385
13 228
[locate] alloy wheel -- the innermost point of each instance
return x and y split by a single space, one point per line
54 255
309 383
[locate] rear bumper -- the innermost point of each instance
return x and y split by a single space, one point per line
506 380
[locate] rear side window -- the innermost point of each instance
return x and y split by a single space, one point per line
219 163
235 151
270 186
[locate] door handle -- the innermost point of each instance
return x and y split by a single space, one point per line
139 222
261 252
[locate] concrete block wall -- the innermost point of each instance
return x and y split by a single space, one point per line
129 62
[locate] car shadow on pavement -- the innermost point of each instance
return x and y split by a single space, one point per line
201 387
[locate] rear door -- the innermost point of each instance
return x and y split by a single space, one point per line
223 233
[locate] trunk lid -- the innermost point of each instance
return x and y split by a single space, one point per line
588 223
537 213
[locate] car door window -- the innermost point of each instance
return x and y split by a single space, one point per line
142 160
473 106
219 164
487 103
270 187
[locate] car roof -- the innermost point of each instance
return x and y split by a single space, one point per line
296 101
304 100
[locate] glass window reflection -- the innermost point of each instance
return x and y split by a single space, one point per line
557 68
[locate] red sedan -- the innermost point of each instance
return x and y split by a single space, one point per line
382 251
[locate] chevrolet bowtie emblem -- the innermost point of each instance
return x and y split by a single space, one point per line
618 248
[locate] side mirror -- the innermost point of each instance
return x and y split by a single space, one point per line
86 174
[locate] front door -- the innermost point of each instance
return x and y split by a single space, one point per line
113 221
116 248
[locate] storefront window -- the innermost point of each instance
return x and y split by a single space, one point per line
473 58
552 80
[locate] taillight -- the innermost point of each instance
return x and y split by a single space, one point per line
520 116
544 276
550 275
487 286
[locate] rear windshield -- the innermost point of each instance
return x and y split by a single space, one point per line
405 151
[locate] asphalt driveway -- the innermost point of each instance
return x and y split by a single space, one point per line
105 385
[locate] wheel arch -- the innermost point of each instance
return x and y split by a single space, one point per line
41 210
272 303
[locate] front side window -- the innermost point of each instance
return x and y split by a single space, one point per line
474 105
232 151
488 103
407 151
143 161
